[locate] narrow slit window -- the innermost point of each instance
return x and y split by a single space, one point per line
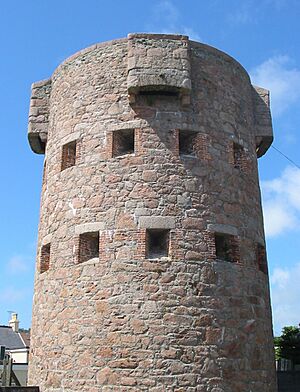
157 243
226 247
187 141
45 258
68 155
261 258
88 246
238 155
123 142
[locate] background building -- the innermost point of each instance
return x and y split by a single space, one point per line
17 345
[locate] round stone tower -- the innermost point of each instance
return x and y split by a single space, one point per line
151 265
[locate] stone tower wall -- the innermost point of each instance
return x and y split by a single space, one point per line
108 315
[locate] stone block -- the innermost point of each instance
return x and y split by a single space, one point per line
156 222
220 228
89 227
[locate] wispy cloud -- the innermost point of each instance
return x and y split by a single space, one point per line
166 19
281 202
285 296
17 264
166 12
251 11
282 79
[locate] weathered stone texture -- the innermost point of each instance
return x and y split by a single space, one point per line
158 61
121 322
39 115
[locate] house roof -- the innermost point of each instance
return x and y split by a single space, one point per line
25 335
10 339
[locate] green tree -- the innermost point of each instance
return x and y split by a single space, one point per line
288 345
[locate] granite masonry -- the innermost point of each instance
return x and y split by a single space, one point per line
151 270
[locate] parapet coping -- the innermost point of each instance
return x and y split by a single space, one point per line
41 83
130 36
89 227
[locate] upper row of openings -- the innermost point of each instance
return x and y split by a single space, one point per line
123 142
157 245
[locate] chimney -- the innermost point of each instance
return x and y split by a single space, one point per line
14 322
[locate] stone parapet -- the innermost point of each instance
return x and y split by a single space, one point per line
39 115
158 63
263 120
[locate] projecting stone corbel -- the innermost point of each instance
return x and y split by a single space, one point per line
39 115
159 63
263 120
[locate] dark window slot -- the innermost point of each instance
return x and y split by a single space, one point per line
45 258
226 247
261 258
88 246
123 142
68 155
187 141
157 243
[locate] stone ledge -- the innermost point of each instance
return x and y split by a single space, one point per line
89 227
47 239
157 36
70 138
157 222
220 228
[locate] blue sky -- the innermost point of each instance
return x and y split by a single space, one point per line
36 35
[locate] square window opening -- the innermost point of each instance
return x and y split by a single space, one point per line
157 243
187 141
88 246
225 247
45 258
68 155
238 155
123 142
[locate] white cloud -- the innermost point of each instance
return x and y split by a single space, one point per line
277 75
281 202
17 264
166 20
166 11
285 297
280 278
251 11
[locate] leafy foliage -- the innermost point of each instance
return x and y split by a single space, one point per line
288 344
